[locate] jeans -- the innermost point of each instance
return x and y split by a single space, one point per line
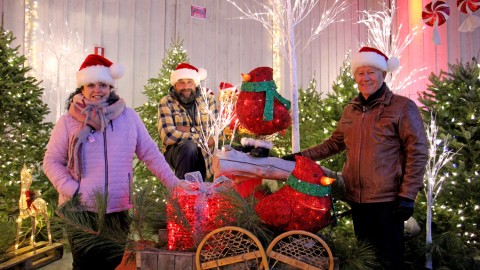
374 223
185 157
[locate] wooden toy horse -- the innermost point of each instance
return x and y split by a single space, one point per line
30 207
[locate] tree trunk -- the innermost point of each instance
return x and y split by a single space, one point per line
428 225
293 81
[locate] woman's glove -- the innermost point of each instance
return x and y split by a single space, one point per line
291 157
404 209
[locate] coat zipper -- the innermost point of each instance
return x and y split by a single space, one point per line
364 109
106 168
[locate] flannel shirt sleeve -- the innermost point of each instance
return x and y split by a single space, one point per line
167 125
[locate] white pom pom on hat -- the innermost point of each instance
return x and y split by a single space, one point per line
187 71
96 68
368 56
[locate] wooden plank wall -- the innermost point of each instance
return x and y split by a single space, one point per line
136 33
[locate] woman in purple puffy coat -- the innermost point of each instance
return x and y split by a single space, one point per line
91 152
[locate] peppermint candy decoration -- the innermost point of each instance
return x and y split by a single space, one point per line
435 13
472 21
468 6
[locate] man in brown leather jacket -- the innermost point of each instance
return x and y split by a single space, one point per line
386 146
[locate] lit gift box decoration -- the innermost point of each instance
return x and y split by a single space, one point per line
195 211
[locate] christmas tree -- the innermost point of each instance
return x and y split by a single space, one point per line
155 89
23 133
344 90
453 97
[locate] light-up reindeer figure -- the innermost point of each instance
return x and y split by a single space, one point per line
30 207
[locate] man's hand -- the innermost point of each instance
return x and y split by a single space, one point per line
404 209
291 157
183 128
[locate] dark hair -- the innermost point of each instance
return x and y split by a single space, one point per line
112 98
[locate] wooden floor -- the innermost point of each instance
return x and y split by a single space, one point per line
65 263
29 258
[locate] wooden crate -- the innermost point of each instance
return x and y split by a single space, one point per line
165 260
181 260
26 259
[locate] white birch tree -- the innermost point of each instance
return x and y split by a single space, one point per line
279 18
437 158
217 121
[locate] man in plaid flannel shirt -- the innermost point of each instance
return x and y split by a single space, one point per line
183 115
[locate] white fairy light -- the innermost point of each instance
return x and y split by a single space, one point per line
30 26
437 159
62 54
217 122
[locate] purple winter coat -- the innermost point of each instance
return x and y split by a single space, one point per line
107 161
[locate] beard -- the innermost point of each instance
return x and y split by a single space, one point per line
186 95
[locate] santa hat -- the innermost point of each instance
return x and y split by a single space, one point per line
187 71
225 86
368 56
97 68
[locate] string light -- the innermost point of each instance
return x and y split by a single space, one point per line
277 41
63 51
30 207
31 16
435 162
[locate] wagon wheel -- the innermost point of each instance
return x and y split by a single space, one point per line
301 249
230 245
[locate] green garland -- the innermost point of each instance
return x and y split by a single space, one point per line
271 93
308 188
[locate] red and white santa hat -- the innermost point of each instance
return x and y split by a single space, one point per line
97 68
187 71
368 56
225 86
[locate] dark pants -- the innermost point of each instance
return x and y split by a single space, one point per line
92 251
374 223
185 157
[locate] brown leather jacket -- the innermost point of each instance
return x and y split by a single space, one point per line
386 149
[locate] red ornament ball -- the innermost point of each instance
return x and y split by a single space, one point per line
436 14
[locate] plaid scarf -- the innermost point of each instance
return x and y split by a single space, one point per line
95 116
